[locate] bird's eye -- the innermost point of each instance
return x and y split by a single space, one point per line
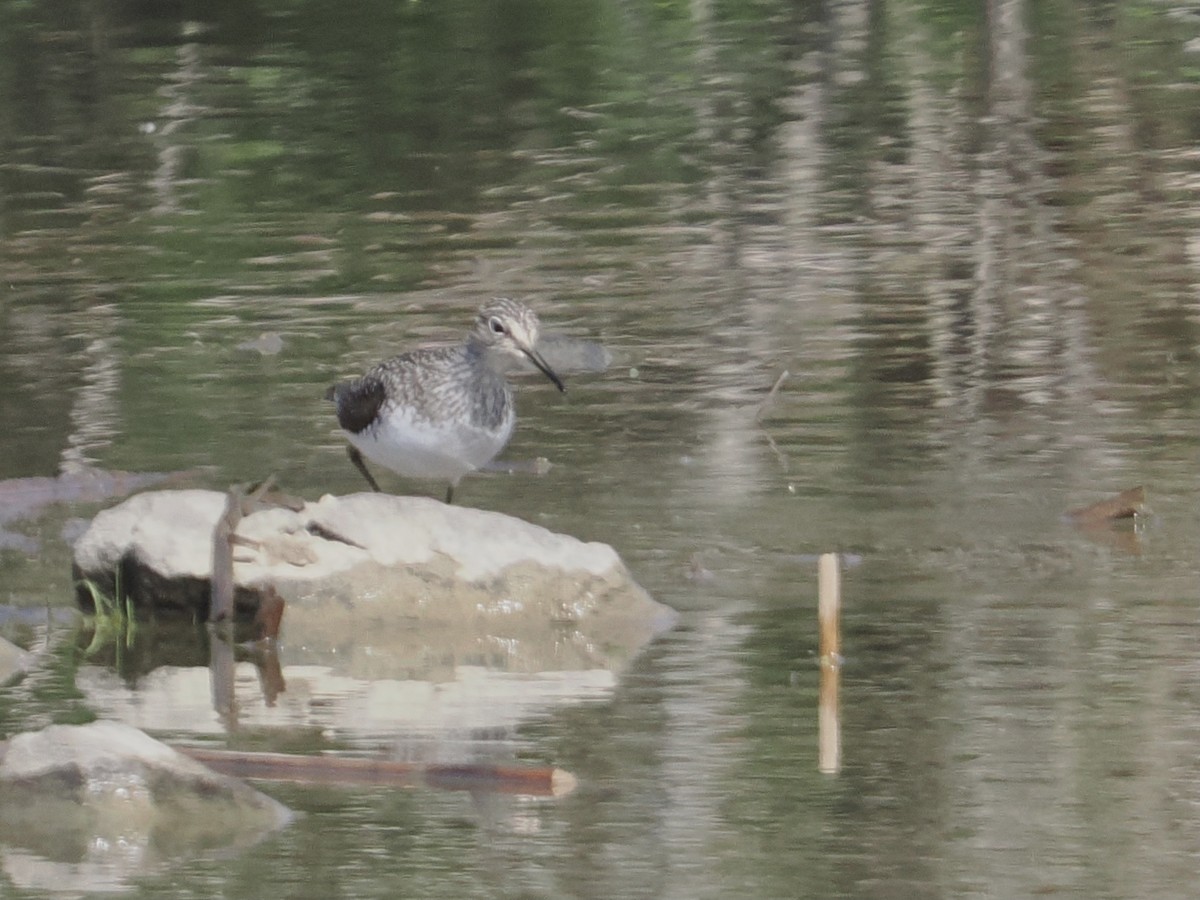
496 325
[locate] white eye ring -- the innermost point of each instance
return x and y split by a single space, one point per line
496 325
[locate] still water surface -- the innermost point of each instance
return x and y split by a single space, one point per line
969 237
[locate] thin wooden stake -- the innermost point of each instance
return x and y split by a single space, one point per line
829 607
223 586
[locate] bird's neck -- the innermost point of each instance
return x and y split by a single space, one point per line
491 358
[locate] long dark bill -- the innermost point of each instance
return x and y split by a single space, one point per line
536 359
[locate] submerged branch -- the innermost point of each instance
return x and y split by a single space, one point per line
1125 505
543 781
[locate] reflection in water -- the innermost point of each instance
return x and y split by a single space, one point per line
966 232
416 716
94 414
179 112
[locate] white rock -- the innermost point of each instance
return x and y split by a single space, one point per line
389 578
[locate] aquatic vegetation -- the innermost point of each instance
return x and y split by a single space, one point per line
113 620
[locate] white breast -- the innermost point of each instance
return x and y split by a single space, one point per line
417 448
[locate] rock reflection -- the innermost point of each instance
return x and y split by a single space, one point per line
441 719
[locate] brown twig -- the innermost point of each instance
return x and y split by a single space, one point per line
241 501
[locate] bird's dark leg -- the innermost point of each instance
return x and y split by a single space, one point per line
450 493
360 464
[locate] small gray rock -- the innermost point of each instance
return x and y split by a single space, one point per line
269 343
13 660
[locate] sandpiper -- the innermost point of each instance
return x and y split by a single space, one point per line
441 412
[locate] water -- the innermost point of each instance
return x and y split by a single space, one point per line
969 239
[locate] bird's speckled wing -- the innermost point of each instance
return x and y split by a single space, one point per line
445 384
